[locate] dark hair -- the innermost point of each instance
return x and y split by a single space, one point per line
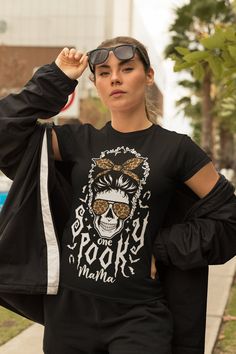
116 181
151 109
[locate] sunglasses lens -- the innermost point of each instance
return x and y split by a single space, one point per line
122 210
98 56
100 206
124 52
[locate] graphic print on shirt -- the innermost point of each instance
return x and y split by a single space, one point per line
112 216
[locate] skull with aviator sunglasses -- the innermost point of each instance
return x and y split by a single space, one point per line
114 192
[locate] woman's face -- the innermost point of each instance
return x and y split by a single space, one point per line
120 84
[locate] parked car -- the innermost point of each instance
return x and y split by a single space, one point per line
5 184
3 197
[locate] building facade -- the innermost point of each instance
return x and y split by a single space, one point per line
33 32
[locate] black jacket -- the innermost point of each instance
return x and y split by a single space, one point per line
196 232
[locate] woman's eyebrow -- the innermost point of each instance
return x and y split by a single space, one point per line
103 66
107 66
126 61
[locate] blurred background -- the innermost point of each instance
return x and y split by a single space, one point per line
194 94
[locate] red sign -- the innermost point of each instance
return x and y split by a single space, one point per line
69 102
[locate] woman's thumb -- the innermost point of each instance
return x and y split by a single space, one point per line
84 62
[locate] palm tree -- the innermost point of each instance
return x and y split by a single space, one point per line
193 21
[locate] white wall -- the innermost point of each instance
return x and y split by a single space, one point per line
140 32
122 18
53 23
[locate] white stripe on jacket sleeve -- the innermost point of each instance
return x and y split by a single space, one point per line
49 232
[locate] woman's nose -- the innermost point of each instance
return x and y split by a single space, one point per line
115 77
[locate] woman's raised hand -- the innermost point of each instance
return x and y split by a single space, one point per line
72 62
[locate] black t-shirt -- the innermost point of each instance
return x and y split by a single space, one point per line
122 184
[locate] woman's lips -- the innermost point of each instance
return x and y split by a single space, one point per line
117 93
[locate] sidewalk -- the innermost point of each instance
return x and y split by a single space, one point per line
220 280
28 342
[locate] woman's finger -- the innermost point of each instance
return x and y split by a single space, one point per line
78 55
83 58
83 63
65 51
72 53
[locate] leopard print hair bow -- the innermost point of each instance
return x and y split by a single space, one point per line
127 167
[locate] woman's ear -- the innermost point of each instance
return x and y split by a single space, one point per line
92 78
150 77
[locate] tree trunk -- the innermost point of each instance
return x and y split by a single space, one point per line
226 148
207 115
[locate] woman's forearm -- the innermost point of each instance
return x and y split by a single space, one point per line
42 97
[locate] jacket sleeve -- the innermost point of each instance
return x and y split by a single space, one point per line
208 234
42 97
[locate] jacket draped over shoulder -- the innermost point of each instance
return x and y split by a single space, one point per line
196 233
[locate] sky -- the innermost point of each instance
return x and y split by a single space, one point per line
157 16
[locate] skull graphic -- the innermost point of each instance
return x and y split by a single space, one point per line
110 208
115 182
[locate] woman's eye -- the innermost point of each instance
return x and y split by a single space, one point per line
104 73
128 69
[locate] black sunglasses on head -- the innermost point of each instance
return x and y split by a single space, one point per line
122 52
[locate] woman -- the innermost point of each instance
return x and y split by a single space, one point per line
123 178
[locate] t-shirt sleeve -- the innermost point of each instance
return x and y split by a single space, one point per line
67 136
190 159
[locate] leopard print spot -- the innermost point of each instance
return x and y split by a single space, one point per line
121 210
100 206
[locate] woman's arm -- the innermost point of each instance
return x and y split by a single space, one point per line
72 63
42 97
201 184
204 180
55 147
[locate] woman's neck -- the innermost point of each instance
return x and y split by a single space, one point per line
130 121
